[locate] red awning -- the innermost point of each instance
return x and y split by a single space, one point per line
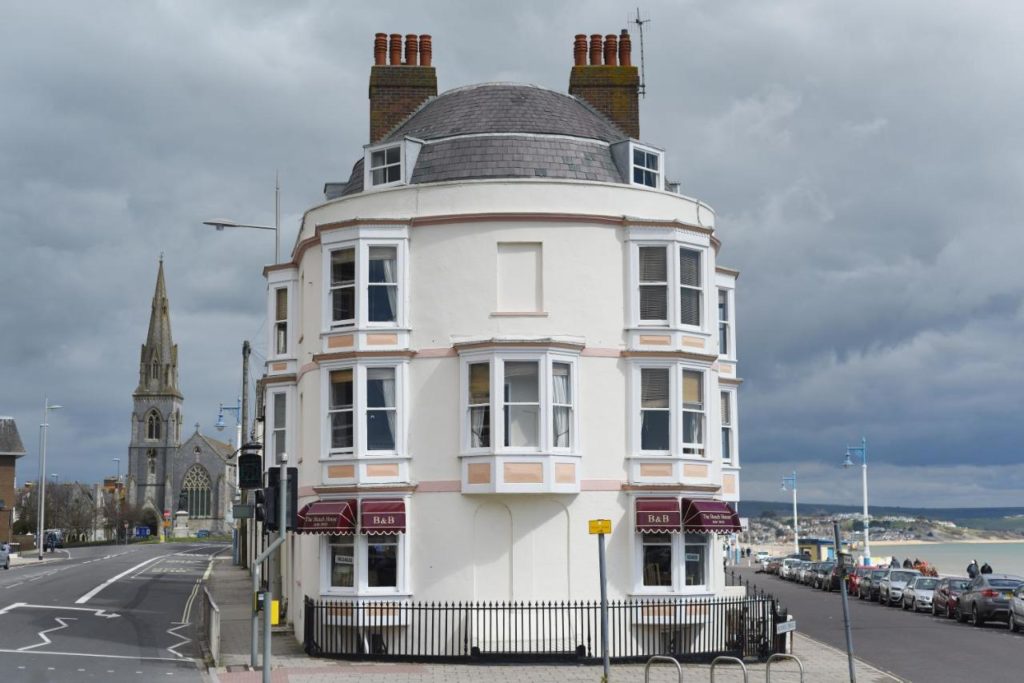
382 517
335 517
709 516
657 515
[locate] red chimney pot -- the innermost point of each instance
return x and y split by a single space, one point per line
579 49
380 49
426 50
610 49
595 49
411 49
395 48
625 49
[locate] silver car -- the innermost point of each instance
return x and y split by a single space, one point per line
5 556
890 590
1016 620
918 593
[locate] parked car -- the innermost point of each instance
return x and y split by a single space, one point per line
890 588
773 566
919 592
762 556
833 579
5 556
868 588
789 565
854 578
821 571
203 533
807 573
1016 618
946 595
987 598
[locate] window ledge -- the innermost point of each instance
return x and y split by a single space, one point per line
401 595
346 457
700 592
519 314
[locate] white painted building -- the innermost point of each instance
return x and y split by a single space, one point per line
505 324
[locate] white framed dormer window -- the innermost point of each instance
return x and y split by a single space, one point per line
281 321
646 167
365 409
670 415
727 427
360 564
670 563
385 165
520 402
365 284
668 279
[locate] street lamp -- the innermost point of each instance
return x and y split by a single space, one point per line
42 474
862 451
117 502
221 223
237 410
796 534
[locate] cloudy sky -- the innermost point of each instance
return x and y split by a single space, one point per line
865 160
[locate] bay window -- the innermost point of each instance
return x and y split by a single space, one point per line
536 402
365 284
672 563
670 409
363 409
361 564
668 280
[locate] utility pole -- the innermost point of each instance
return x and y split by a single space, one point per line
268 595
243 416
846 607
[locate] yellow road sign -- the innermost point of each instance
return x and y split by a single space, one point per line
600 526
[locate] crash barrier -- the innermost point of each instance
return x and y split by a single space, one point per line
685 629
660 658
778 658
728 660
209 625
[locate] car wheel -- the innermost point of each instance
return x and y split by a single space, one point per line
1011 623
975 619
935 610
959 615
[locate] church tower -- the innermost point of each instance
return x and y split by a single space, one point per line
156 416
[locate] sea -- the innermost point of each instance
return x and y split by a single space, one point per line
953 558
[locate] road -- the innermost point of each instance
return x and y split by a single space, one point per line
915 647
109 613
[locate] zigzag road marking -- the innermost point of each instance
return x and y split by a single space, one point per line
42 634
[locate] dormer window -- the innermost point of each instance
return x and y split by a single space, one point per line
646 167
386 166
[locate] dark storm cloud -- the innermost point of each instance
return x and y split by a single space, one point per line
864 160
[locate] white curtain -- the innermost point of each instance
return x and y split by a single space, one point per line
561 397
392 289
385 379
477 422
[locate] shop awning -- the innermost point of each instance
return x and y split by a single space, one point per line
709 516
657 515
335 517
382 517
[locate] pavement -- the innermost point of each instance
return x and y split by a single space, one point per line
231 588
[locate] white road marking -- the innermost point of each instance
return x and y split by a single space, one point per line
42 634
91 594
98 612
184 641
89 654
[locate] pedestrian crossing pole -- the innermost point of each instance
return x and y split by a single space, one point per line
841 562
600 527
267 602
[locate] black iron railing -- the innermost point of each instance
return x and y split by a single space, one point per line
689 629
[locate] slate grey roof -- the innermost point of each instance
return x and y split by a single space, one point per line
514 156
10 440
503 131
506 108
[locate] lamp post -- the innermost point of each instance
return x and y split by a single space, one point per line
237 410
42 474
117 501
862 451
796 533
221 223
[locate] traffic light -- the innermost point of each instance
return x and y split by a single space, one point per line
271 496
260 509
250 466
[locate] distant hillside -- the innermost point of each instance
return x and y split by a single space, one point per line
997 518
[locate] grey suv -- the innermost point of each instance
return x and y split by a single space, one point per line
890 589
987 598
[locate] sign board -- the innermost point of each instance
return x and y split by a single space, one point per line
142 532
600 526
167 524
250 467
242 511
846 560
167 514
785 627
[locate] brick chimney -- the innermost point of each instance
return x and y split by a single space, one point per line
609 83
398 87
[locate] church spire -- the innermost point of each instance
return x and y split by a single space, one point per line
158 364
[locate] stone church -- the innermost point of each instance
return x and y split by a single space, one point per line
166 474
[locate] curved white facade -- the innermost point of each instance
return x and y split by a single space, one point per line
481 352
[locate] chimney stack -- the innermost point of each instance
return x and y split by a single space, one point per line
398 88
609 83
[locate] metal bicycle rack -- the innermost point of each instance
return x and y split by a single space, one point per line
779 657
661 658
728 660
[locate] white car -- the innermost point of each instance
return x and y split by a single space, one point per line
919 592
788 565
762 556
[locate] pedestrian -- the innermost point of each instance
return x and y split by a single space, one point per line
907 564
972 569
986 569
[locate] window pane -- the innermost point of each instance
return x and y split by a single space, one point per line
689 267
726 412
279 447
281 304
393 154
341 389
479 383
638 157
693 428
689 306
343 266
394 173
382 563
723 305
522 381
562 427
281 338
280 410
480 427
651 161
654 387
341 430
343 563
693 394
723 338
521 426
380 387
382 264
657 559
653 264
654 430
726 443
653 302
561 383
380 430
694 561
377 158
382 300
343 304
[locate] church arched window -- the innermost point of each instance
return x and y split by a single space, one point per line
151 461
195 492
153 426
154 371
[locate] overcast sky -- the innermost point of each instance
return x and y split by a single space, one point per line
865 160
